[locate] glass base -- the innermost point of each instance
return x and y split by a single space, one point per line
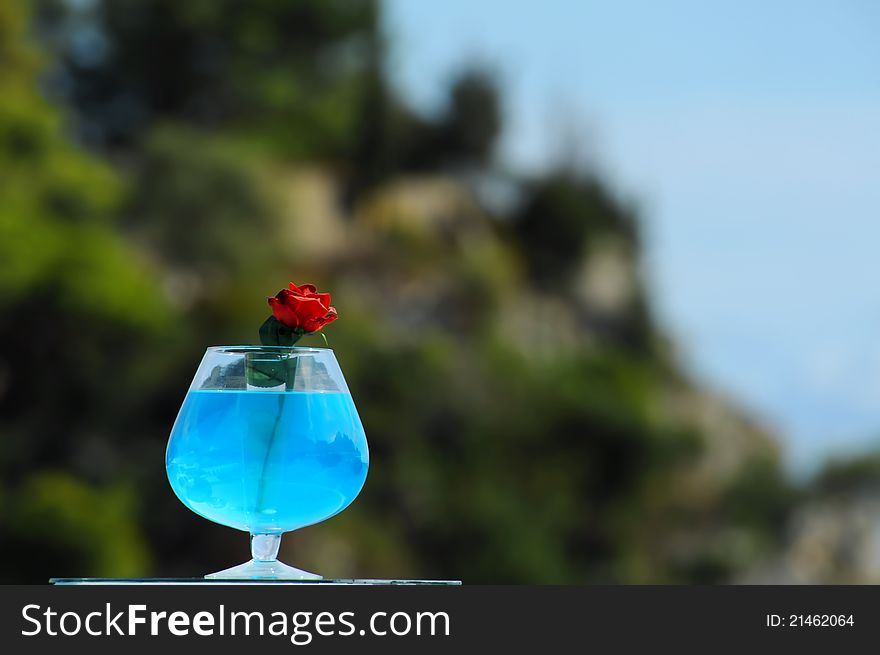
263 570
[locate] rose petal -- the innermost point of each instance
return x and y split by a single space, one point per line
315 324
309 308
284 313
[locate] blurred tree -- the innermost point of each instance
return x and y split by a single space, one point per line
77 308
261 70
461 137
57 524
472 122
848 476
560 215
563 220
265 67
64 265
198 206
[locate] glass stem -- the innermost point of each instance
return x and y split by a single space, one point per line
264 547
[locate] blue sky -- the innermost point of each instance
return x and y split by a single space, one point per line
749 134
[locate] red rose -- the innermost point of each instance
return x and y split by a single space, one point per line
303 308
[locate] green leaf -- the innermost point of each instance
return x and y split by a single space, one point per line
273 369
274 333
266 370
269 370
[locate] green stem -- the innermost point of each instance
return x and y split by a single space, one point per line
290 378
261 491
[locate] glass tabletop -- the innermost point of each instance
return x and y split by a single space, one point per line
201 581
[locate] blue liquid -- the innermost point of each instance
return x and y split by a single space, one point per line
267 461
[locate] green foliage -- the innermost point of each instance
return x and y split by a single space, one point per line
560 216
849 476
56 522
77 302
197 205
761 496
473 120
264 68
56 205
